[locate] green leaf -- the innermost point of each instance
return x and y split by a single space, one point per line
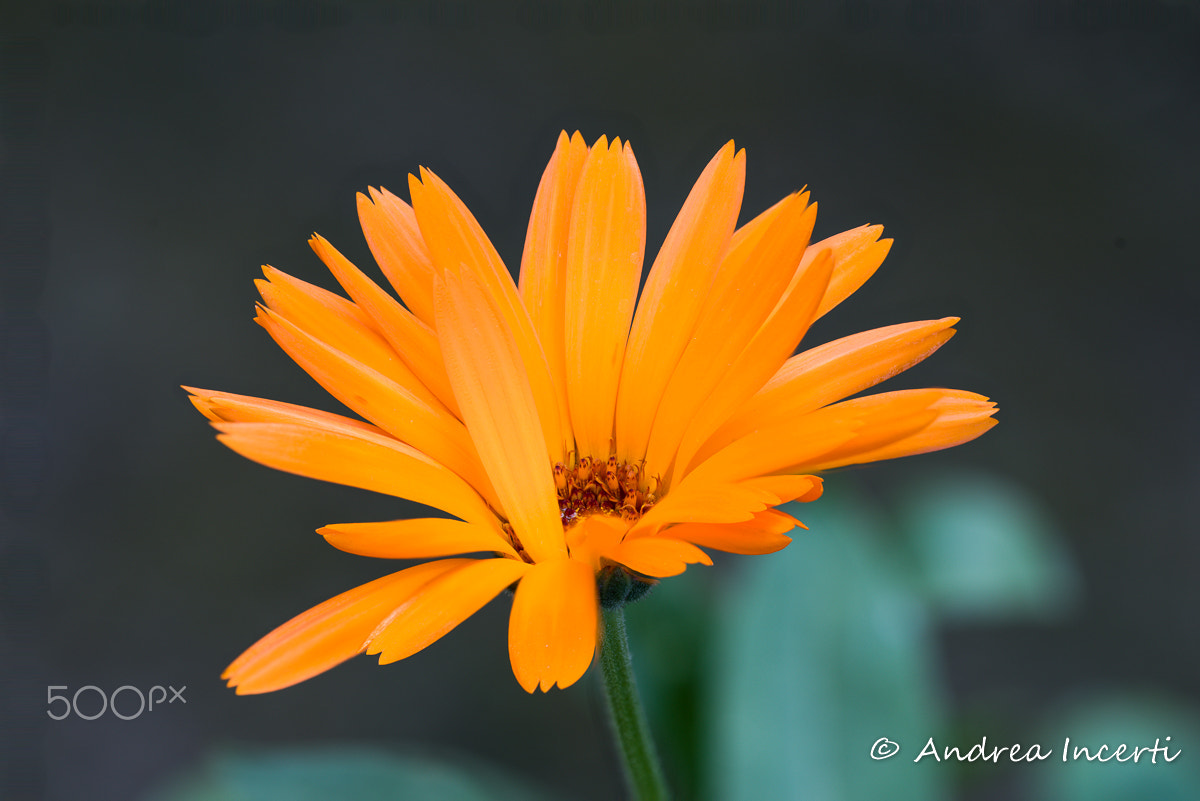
985 549
355 774
821 650
1113 720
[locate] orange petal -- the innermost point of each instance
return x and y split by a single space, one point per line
334 320
954 417
697 500
230 408
543 280
354 383
763 534
312 353
849 365
674 293
440 605
856 257
414 341
498 407
604 267
420 421
777 448
328 634
356 458
834 371
595 538
659 556
391 230
752 276
554 622
785 489
771 343
458 244
416 539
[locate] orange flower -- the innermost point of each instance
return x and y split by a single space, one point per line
584 443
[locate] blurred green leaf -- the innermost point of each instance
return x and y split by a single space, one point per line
360 774
985 549
1122 719
821 650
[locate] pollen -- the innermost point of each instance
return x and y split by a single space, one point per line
605 487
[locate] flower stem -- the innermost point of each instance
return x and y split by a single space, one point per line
642 770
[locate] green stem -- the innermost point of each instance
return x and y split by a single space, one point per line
642 770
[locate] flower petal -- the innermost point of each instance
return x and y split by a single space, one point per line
831 372
553 626
698 499
335 321
440 605
752 276
390 227
849 365
414 341
785 489
659 556
856 257
230 408
678 281
356 458
954 417
498 406
419 421
318 358
777 448
458 244
543 282
604 267
327 634
416 539
761 535
770 348
594 539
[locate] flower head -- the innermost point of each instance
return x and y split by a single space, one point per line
584 443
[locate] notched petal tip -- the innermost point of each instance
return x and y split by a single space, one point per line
327 634
196 394
441 605
416 184
554 625
205 407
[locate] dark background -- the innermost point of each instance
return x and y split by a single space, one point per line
1036 163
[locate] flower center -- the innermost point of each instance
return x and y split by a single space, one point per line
591 486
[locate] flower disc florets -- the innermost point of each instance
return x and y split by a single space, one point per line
592 486
616 489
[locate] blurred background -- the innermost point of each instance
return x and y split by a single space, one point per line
1036 164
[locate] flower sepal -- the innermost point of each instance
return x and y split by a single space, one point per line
618 585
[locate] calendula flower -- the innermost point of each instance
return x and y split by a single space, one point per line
584 443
